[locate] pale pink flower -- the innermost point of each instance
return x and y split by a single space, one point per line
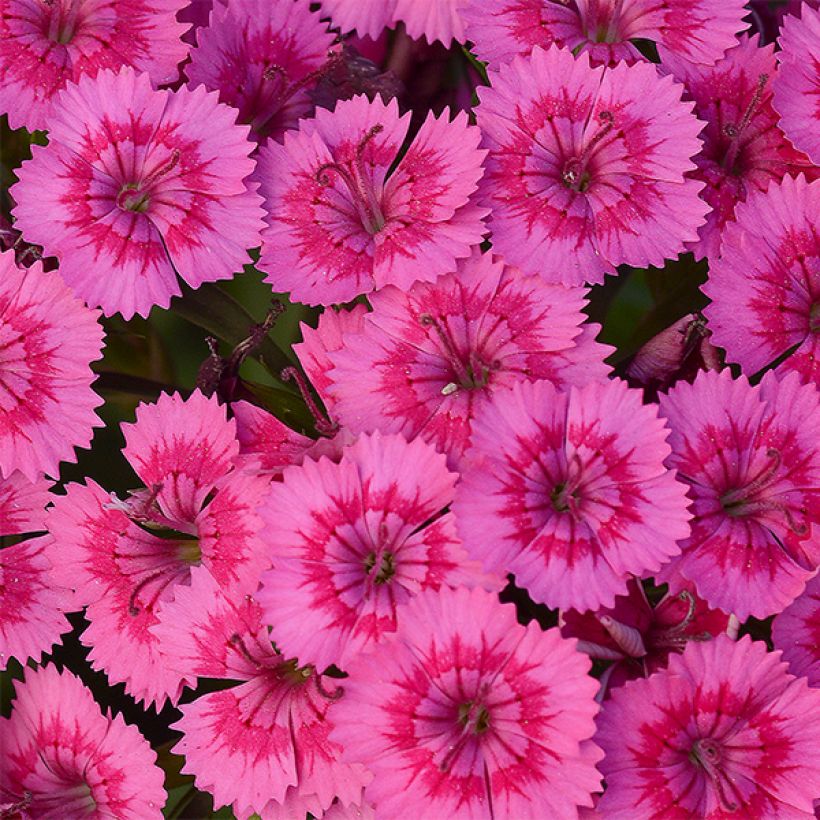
796 632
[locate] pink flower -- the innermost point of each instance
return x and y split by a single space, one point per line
146 185
743 149
638 637
750 457
725 729
796 632
260 55
797 84
352 540
696 30
427 361
465 713
262 745
45 44
126 559
568 491
62 758
47 341
342 221
586 169
765 286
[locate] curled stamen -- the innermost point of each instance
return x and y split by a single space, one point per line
324 424
689 600
707 755
334 695
163 169
469 376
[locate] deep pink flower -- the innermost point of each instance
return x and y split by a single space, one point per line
750 457
724 731
765 286
586 169
428 360
342 221
638 637
352 540
144 185
45 44
797 84
697 30
465 713
743 149
796 632
126 559
62 758
262 745
259 55
47 341
568 491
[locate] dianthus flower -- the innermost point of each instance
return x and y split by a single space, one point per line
262 745
47 341
45 44
697 30
125 559
797 84
343 221
31 606
260 55
568 491
586 169
765 286
750 457
137 187
62 758
352 540
796 632
743 149
473 716
428 360
638 637
724 731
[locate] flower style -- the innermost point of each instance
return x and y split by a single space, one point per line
796 632
568 491
126 559
62 758
261 56
45 44
342 221
262 745
797 84
743 149
47 341
638 637
586 169
352 540
137 187
725 729
31 606
428 360
750 457
473 715
765 286
699 31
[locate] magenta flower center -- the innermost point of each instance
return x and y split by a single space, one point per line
576 174
708 756
734 131
383 564
602 21
62 19
136 197
474 717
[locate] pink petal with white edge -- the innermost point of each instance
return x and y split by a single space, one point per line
796 632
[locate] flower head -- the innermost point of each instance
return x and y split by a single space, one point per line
45 44
750 457
352 540
144 185
343 221
765 286
47 341
568 491
725 729
62 758
426 361
260 56
796 632
473 716
586 169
